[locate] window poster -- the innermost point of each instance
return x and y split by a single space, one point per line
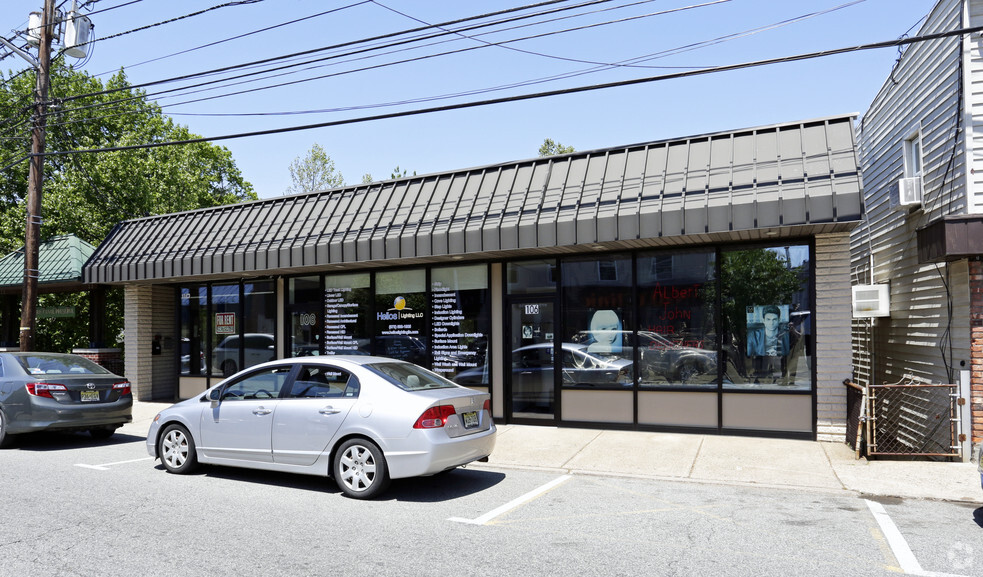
401 315
346 302
460 323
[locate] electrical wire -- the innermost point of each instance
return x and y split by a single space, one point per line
539 95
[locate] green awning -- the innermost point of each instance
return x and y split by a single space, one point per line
60 261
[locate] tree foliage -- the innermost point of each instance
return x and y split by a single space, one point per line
88 193
314 172
551 148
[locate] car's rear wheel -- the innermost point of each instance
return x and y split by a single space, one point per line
176 450
102 433
360 469
6 439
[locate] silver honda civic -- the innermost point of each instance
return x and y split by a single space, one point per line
361 420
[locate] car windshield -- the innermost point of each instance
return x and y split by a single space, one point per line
409 377
41 364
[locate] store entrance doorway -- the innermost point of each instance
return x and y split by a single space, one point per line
533 383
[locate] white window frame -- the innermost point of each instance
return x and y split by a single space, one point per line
914 160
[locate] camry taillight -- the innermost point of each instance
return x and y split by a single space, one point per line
45 389
434 417
123 388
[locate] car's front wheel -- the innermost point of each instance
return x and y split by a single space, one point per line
176 450
360 469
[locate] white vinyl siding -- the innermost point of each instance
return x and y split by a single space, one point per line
920 98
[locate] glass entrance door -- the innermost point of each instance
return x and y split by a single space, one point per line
533 381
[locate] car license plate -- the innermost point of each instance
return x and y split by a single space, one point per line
90 396
470 419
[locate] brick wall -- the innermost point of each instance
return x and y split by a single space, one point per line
138 333
833 324
976 347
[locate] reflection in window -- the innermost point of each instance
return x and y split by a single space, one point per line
677 337
259 322
261 385
597 321
304 306
766 318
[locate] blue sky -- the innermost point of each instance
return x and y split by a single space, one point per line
472 137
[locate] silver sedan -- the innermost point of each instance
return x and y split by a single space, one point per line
361 420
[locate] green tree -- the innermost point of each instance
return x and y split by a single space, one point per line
87 194
551 148
314 172
396 173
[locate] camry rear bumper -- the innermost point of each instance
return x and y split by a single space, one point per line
50 415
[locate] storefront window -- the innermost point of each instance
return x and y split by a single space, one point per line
258 322
304 306
194 316
461 323
225 324
530 277
347 305
401 315
766 318
598 343
676 325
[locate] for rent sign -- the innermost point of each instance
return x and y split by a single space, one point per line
225 323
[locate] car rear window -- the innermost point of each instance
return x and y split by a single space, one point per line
40 364
410 377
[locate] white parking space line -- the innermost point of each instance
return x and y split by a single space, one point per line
106 466
900 548
487 517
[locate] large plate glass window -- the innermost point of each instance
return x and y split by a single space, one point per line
676 326
598 345
304 304
258 322
401 315
194 316
225 323
461 323
347 305
767 318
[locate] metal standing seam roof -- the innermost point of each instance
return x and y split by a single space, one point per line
60 261
787 179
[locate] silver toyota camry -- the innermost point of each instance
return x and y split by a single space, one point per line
361 420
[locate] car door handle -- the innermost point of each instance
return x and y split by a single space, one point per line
262 411
329 410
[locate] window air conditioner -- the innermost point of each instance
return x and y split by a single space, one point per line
871 301
906 193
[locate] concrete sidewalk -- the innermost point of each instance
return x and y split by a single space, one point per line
708 459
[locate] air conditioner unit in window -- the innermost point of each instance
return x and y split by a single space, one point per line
906 193
872 300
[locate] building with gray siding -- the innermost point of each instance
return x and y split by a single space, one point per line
693 284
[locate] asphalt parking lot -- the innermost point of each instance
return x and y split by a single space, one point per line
76 506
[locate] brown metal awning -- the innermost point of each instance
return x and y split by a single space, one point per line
951 238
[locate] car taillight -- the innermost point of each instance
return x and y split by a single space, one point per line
123 388
487 406
44 389
434 417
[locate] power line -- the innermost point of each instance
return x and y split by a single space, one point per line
538 95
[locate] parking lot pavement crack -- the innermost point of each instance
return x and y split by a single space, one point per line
696 458
566 464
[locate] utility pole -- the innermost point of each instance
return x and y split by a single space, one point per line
32 241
